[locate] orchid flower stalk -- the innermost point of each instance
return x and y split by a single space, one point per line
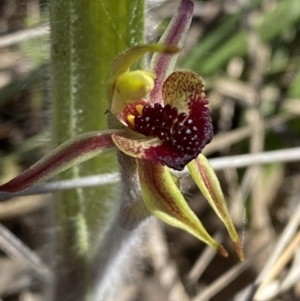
159 121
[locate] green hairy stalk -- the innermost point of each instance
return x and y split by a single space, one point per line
85 36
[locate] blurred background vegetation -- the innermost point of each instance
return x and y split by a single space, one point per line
248 52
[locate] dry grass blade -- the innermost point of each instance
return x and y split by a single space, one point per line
165 270
88 181
15 249
23 35
227 139
216 286
21 206
13 277
285 238
262 291
285 155
293 275
204 260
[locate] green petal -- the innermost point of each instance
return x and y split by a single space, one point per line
207 181
164 200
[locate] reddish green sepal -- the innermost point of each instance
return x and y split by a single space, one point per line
68 154
161 64
207 181
163 199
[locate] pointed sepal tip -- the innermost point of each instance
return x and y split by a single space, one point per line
222 251
239 249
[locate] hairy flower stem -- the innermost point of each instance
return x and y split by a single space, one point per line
85 36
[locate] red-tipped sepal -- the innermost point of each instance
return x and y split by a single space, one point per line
163 199
207 181
74 151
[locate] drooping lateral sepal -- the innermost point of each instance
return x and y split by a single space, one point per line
163 199
74 151
207 181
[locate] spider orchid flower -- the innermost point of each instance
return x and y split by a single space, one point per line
164 123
